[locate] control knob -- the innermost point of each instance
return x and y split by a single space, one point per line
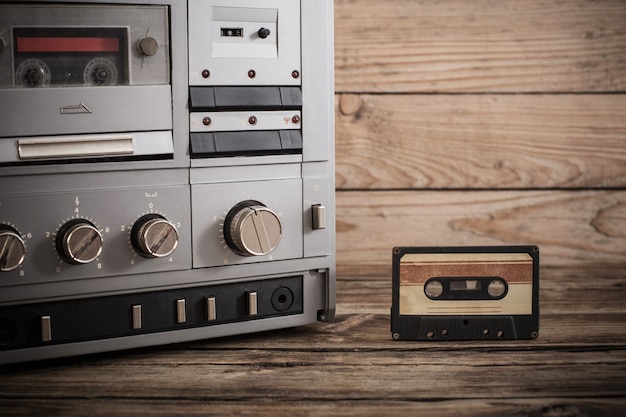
152 236
79 242
251 229
148 46
263 33
12 249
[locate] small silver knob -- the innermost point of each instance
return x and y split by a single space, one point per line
12 249
148 46
152 236
251 229
79 242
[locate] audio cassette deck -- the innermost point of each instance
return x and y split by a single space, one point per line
166 172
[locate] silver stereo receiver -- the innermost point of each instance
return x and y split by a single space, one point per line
166 172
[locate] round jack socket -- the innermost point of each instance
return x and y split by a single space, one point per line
282 299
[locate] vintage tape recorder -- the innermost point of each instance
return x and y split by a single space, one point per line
166 171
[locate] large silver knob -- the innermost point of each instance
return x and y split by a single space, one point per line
152 236
79 242
251 229
12 249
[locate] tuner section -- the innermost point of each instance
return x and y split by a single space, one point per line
79 242
12 249
152 236
251 229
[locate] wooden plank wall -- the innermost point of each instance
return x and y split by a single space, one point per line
483 122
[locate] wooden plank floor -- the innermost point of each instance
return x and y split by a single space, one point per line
577 366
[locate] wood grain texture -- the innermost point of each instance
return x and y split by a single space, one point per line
558 407
480 141
483 45
571 227
352 367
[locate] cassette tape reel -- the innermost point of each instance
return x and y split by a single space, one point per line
62 56
465 293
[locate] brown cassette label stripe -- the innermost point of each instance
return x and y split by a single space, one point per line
416 269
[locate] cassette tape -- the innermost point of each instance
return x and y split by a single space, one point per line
465 293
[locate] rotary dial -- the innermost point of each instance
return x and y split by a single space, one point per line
152 236
12 249
251 229
79 242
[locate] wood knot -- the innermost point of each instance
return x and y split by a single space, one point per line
349 104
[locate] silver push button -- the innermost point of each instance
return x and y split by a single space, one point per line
252 303
137 317
211 312
181 313
46 328
319 216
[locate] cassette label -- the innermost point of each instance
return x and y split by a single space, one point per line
447 286
423 276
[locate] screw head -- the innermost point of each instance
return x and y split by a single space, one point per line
252 120
295 73
295 119
206 73
206 121
251 73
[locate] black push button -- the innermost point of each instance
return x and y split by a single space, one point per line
234 98
266 142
